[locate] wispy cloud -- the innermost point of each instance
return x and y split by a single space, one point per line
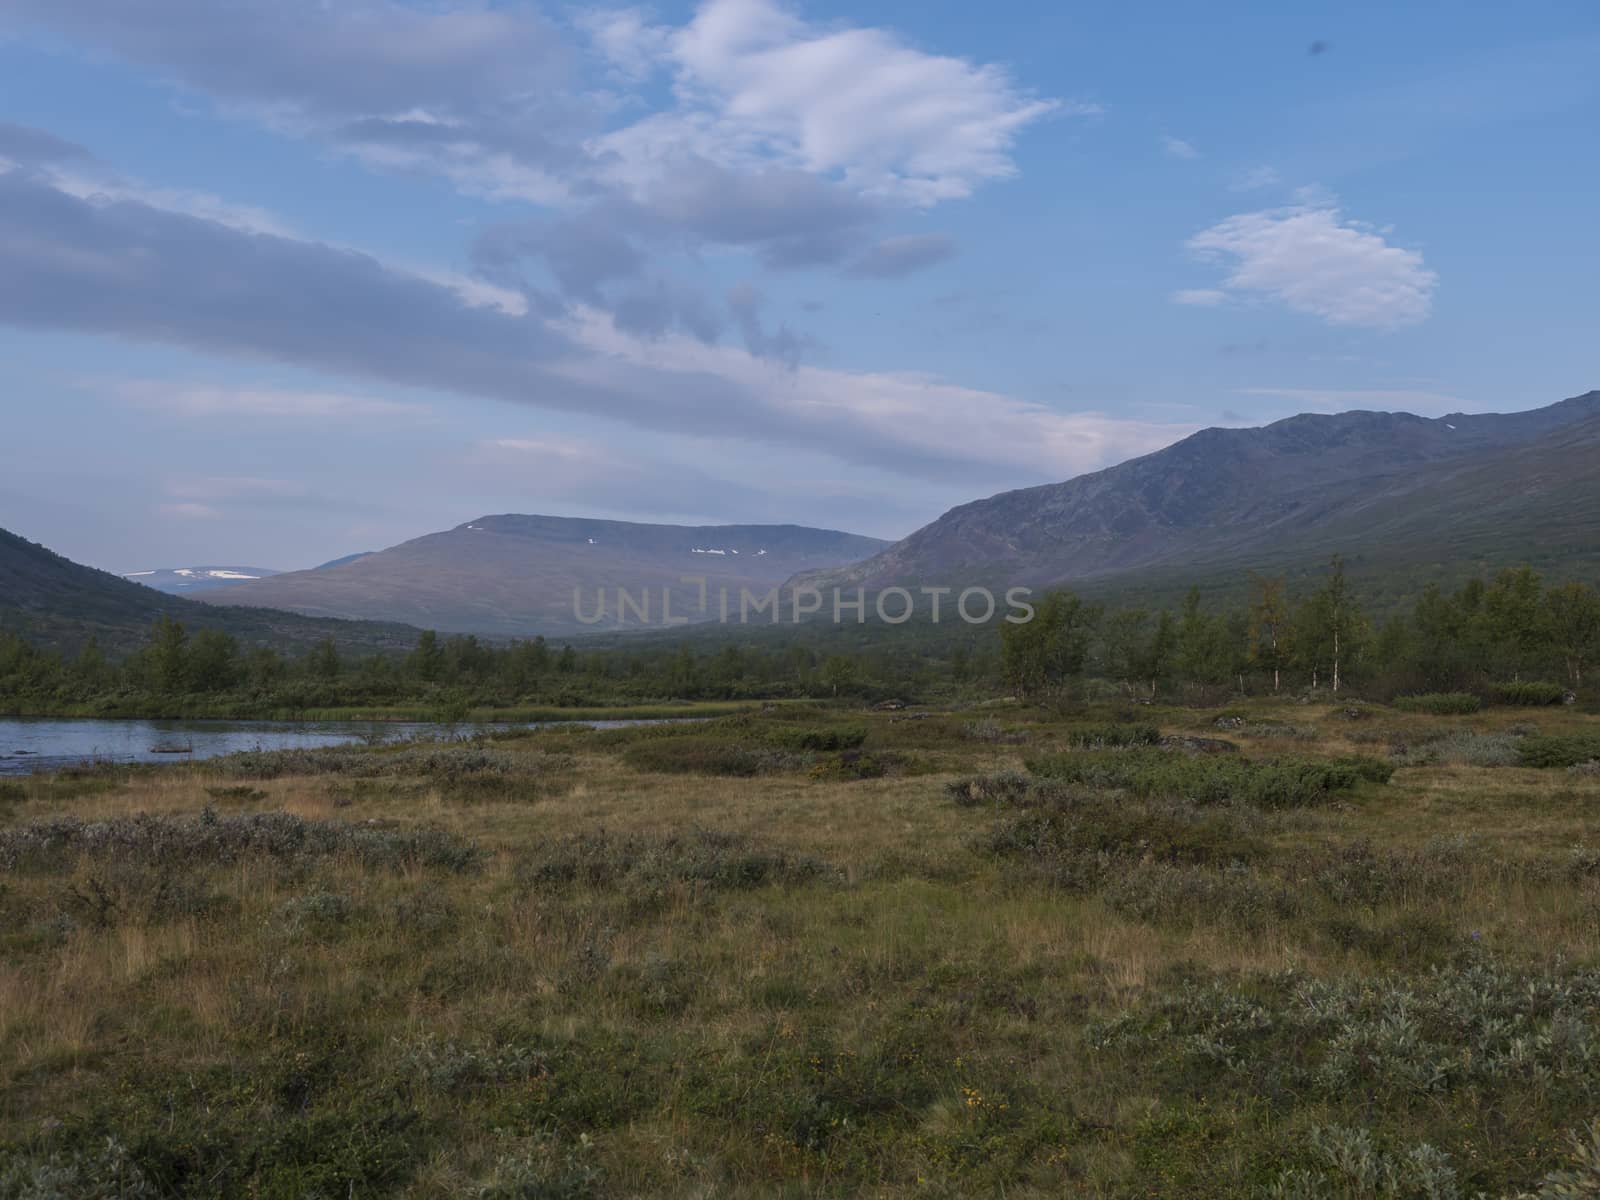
1312 260
1178 148
203 401
131 270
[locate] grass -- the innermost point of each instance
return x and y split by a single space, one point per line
558 964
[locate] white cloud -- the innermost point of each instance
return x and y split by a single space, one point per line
756 83
1178 148
1312 260
188 512
195 400
916 424
1199 297
1255 178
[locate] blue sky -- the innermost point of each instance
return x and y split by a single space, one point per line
281 280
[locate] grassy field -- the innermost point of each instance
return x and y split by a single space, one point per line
811 952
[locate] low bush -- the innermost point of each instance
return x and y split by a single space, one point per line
710 756
993 731
1529 693
1558 750
1460 747
1099 737
1215 779
433 762
635 862
823 737
209 839
1440 704
1391 1039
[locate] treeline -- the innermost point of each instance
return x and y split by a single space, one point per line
1483 636
1487 634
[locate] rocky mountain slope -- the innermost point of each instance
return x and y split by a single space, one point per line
1392 488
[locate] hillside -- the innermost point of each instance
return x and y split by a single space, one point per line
514 575
55 601
1403 494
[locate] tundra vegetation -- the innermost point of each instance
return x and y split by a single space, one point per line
1278 949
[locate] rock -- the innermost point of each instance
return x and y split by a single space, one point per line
889 705
1569 697
1230 722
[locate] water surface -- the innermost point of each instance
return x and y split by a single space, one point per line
30 744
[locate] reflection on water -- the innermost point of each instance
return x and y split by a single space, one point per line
30 744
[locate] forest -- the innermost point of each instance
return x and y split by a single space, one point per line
1513 636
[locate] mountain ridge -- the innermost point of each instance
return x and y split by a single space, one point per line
514 574
1221 495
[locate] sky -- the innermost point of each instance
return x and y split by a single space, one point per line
282 280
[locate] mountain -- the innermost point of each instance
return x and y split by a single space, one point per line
336 562
55 601
178 581
1397 492
514 575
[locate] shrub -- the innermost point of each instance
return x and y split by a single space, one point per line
1529 693
1216 779
1440 704
1559 750
1471 1027
993 731
709 756
174 842
1461 747
434 762
843 737
1163 833
718 861
1097 737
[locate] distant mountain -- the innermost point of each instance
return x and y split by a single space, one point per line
178 581
514 575
1402 493
55 601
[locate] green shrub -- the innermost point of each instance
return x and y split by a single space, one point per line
1440 704
1215 779
709 756
842 737
1098 737
178 842
1559 750
1529 693
637 862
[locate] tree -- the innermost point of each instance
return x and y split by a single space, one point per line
167 655
1041 655
1127 640
1269 625
1572 615
1203 652
839 671
1514 619
426 662
1330 627
324 660
213 661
